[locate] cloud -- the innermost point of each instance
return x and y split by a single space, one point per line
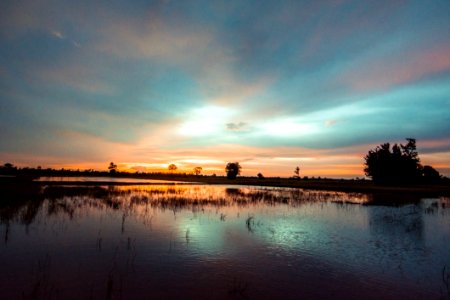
57 34
152 39
192 48
431 146
236 127
79 76
20 18
399 68
329 123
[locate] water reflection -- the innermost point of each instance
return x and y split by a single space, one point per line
90 179
197 241
25 207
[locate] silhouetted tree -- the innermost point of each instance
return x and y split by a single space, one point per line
112 168
198 170
8 169
430 175
401 165
260 176
172 168
8 166
297 172
233 170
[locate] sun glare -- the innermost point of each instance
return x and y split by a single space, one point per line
205 121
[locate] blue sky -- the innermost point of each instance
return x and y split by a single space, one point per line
271 84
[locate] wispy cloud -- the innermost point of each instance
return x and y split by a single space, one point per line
57 34
399 68
241 126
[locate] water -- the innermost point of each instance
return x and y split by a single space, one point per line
222 242
104 179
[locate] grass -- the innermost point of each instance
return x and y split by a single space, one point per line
249 223
25 208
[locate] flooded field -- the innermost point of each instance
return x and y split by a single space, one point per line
222 242
104 179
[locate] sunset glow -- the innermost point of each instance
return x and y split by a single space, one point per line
271 85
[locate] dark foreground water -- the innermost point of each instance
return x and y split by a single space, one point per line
218 242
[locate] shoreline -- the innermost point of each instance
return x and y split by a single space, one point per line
339 185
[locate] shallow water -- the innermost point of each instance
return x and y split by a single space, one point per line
221 242
103 179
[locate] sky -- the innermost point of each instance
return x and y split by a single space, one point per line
269 84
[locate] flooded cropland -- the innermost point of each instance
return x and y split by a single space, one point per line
89 179
222 242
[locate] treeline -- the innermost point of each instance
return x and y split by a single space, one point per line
9 169
399 165
232 170
386 165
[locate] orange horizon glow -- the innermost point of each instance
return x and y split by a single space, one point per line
347 171
344 162
332 171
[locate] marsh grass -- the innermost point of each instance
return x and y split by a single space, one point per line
188 239
67 199
249 223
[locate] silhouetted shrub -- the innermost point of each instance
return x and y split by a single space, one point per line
112 168
233 170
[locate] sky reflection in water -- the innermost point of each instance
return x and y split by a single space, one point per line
222 242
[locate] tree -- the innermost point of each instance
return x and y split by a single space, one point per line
198 170
172 168
297 172
233 170
430 175
8 166
112 168
260 176
399 165
8 169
